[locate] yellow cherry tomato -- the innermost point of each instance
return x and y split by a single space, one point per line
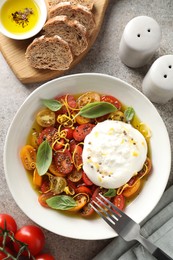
88 97
37 179
45 117
81 200
28 157
128 192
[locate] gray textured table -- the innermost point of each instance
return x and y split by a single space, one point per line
102 58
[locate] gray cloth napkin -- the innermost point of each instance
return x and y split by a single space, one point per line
157 227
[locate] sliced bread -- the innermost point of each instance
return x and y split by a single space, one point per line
71 31
49 53
75 12
88 3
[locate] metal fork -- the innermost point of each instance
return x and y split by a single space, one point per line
125 227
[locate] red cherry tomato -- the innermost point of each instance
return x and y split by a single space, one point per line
7 222
31 235
44 257
70 100
3 255
119 201
45 186
47 134
72 145
59 145
114 101
63 162
86 180
43 197
87 210
69 133
77 156
82 131
83 189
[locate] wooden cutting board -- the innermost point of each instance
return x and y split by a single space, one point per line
14 51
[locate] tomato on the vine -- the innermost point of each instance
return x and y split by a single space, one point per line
32 236
44 257
7 222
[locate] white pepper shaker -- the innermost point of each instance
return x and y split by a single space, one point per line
140 39
157 84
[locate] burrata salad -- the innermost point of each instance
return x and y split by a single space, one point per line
85 144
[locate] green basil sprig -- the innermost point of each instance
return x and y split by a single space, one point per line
110 193
44 157
62 202
52 104
129 114
96 109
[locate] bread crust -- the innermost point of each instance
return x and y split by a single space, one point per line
75 12
71 31
49 53
88 3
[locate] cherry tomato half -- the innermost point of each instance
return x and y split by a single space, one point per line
44 257
43 197
88 97
71 101
47 134
7 222
63 162
86 180
83 189
31 235
87 210
45 117
77 157
114 101
28 157
82 131
119 201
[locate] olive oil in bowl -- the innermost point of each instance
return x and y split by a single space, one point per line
22 19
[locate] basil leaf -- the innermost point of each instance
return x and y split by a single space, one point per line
110 193
44 157
52 104
96 109
62 202
129 114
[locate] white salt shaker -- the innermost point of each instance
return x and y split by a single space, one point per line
157 85
140 39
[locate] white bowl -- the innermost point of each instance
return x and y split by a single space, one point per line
35 30
26 197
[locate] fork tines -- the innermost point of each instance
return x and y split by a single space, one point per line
106 209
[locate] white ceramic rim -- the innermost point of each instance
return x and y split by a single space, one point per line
42 19
90 229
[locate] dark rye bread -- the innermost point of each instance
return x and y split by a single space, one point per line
75 12
88 3
49 53
72 32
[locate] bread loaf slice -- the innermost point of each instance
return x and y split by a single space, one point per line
75 12
88 3
49 53
71 31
